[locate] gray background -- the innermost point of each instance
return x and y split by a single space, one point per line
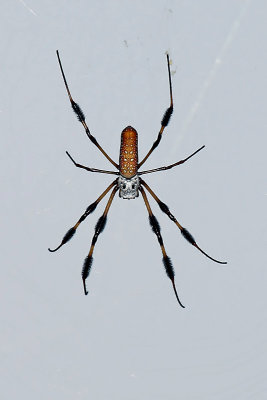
128 339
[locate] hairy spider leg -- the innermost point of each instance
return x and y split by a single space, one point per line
187 235
156 229
88 211
165 120
101 171
170 166
100 225
81 117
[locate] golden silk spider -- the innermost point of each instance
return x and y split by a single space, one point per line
129 183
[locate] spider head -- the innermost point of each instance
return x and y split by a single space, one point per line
128 187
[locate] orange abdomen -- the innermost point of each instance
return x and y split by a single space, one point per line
129 152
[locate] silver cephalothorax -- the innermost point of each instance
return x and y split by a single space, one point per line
128 187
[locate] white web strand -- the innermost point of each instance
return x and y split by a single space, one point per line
211 75
28 8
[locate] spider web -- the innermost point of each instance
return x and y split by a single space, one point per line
211 76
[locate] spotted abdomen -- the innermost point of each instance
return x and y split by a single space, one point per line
128 152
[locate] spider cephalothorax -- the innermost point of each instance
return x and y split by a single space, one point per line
129 185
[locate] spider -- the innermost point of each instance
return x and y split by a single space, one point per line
129 183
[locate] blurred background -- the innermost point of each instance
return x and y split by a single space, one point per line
129 339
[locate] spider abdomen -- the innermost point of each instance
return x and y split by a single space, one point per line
129 152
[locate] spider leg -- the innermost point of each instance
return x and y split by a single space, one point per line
156 229
172 165
100 225
81 117
102 171
88 211
187 235
165 119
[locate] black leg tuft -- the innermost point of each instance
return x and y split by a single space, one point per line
91 208
68 235
163 207
168 267
187 235
100 225
167 116
87 267
86 270
93 139
65 239
154 224
78 111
